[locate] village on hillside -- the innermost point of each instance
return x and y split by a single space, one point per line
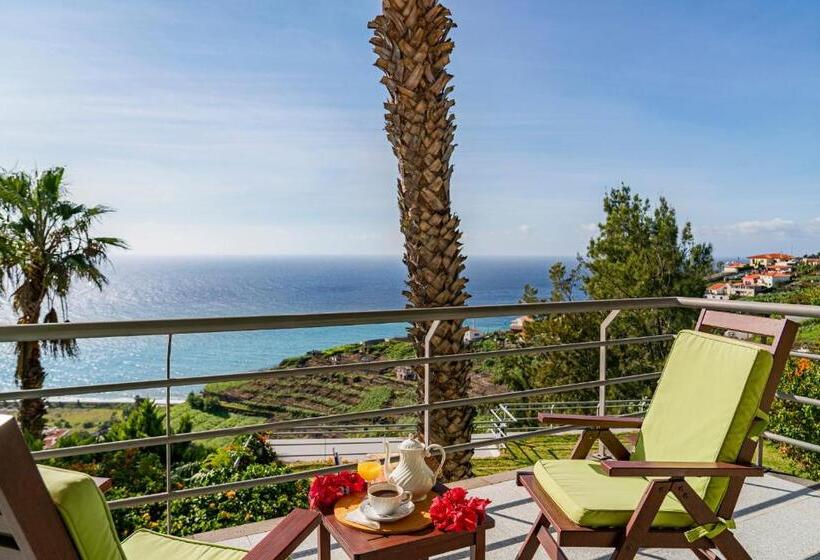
760 273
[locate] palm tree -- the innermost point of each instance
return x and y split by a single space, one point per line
45 244
413 49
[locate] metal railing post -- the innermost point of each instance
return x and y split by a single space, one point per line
168 434
427 354
602 369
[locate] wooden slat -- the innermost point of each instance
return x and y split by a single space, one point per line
25 504
590 421
104 484
743 323
678 469
283 539
10 553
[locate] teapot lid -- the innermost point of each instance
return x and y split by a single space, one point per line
410 444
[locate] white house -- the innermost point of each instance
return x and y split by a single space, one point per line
472 335
717 291
517 324
733 267
768 259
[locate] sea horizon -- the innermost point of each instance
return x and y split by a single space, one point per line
165 287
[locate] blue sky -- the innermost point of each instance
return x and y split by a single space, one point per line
256 127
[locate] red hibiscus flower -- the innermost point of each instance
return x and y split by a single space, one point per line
453 511
326 490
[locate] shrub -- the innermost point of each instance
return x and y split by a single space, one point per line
203 402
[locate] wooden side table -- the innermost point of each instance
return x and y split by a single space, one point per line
360 545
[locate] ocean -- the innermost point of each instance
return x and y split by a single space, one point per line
165 287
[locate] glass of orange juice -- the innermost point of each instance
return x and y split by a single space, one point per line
369 469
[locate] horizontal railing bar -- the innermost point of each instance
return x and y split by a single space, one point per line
218 488
791 309
272 426
797 398
791 441
806 355
106 329
318 370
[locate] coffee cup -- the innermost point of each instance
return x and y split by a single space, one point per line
385 497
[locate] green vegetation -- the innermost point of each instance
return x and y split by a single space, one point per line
46 243
142 471
85 416
639 251
373 399
799 421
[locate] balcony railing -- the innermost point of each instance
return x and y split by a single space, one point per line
171 327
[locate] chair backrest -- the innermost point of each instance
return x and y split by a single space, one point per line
711 391
30 525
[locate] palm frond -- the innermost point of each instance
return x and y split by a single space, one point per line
66 347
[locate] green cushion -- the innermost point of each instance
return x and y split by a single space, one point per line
704 405
702 410
84 512
592 499
148 545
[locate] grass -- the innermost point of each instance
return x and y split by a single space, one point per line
373 399
809 332
84 416
209 421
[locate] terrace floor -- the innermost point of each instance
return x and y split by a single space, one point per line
777 517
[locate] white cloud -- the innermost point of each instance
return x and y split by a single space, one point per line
780 226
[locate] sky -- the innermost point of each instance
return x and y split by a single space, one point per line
238 128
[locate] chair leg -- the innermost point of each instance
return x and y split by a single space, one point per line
704 554
550 545
700 512
641 521
530 545
614 445
584 444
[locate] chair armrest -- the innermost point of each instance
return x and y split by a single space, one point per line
283 539
678 469
591 421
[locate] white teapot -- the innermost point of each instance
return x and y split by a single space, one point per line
412 472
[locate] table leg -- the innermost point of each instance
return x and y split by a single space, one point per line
478 550
324 543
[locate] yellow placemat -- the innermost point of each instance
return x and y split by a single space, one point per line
416 521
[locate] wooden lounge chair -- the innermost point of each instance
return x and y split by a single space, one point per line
679 487
55 514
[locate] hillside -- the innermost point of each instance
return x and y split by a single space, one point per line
319 395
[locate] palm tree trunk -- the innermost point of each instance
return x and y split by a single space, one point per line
410 39
30 375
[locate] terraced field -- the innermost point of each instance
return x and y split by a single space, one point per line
321 395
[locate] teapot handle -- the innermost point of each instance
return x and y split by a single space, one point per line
431 447
387 467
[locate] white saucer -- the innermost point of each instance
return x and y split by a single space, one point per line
403 511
